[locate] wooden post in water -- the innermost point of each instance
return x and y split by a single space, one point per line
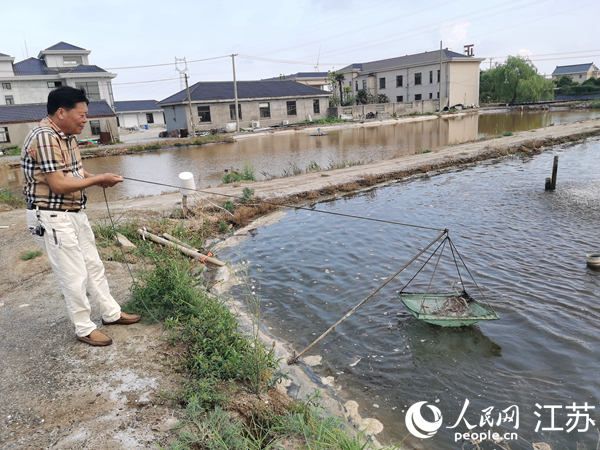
551 182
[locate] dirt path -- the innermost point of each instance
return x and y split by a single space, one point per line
59 393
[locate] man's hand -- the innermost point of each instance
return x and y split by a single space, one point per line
109 180
59 184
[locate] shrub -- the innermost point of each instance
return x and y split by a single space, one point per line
30 255
10 199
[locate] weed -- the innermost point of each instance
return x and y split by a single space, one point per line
292 170
30 255
248 174
10 199
343 164
313 167
223 227
234 175
422 150
325 175
247 194
229 206
508 133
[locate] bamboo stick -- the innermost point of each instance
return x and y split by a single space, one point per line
177 241
192 253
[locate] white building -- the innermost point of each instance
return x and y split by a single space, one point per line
139 114
578 72
29 81
423 76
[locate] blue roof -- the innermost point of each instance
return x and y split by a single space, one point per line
36 112
294 76
64 46
408 60
575 68
136 105
34 66
223 90
2 54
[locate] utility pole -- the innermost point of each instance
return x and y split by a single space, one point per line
183 74
187 87
440 81
237 119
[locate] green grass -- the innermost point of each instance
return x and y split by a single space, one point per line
10 199
234 175
11 150
508 133
30 255
422 150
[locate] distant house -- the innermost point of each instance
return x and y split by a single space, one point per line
139 113
577 72
29 81
17 120
318 80
430 75
260 104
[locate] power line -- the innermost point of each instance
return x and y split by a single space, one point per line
147 81
165 64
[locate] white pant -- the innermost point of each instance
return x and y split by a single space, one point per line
69 242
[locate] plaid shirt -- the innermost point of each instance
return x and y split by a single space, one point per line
48 149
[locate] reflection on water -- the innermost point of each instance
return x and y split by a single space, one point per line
526 249
272 154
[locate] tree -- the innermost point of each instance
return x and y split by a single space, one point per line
337 79
564 81
517 81
362 97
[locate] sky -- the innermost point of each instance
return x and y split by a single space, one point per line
271 38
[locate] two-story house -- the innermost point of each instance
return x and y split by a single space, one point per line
29 81
444 74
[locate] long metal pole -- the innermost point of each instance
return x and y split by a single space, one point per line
440 81
187 87
295 358
237 119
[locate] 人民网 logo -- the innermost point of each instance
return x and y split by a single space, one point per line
418 426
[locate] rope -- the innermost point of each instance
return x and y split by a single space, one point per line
135 286
295 358
289 206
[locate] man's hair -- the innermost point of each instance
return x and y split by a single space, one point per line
65 97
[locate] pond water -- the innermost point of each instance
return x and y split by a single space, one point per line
526 250
273 154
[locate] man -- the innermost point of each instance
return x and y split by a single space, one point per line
55 185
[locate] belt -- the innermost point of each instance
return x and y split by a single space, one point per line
42 208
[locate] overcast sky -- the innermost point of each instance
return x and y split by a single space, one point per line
271 37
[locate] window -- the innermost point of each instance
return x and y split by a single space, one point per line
382 83
95 126
417 78
399 80
356 86
438 94
9 100
71 60
364 84
149 118
417 96
91 89
291 108
54 84
265 110
431 95
6 86
438 75
232 111
317 106
430 76
400 98
4 134
204 113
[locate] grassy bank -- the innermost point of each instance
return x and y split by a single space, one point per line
97 152
228 373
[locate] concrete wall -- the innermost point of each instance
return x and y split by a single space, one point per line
18 131
176 117
464 83
137 119
383 109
